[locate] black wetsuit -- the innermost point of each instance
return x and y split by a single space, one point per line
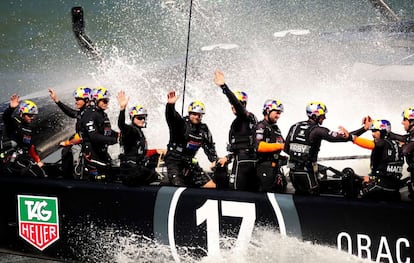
96 134
185 140
68 159
22 158
242 146
407 149
269 173
134 168
386 170
408 153
303 143
72 113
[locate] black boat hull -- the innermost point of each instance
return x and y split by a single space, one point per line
198 218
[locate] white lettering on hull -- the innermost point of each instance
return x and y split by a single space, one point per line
365 249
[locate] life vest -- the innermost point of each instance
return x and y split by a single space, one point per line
101 123
300 148
135 146
78 126
269 133
22 134
96 121
410 156
194 137
389 162
242 135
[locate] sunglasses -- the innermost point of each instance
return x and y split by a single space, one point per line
140 118
197 114
31 116
106 101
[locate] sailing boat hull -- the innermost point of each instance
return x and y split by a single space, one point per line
89 212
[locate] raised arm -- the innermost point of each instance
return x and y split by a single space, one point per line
66 109
123 102
172 116
219 81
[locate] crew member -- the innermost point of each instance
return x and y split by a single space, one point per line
408 147
303 143
242 141
408 144
135 156
187 135
97 135
386 163
72 147
22 159
270 143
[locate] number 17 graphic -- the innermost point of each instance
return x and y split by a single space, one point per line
209 212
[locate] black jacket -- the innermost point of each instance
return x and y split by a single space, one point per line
186 138
387 158
72 113
243 128
132 139
304 139
20 132
96 133
407 148
269 133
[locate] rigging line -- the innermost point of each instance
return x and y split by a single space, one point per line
186 54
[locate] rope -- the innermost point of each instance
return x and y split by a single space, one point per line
186 55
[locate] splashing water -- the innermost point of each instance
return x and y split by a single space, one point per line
266 246
309 61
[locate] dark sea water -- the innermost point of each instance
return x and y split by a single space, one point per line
295 51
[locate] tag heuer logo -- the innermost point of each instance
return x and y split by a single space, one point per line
38 220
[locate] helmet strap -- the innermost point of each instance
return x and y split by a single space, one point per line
314 118
383 134
410 127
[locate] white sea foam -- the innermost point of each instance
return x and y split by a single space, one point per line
219 46
266 245
295 32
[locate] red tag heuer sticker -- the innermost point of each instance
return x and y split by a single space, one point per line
38 220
